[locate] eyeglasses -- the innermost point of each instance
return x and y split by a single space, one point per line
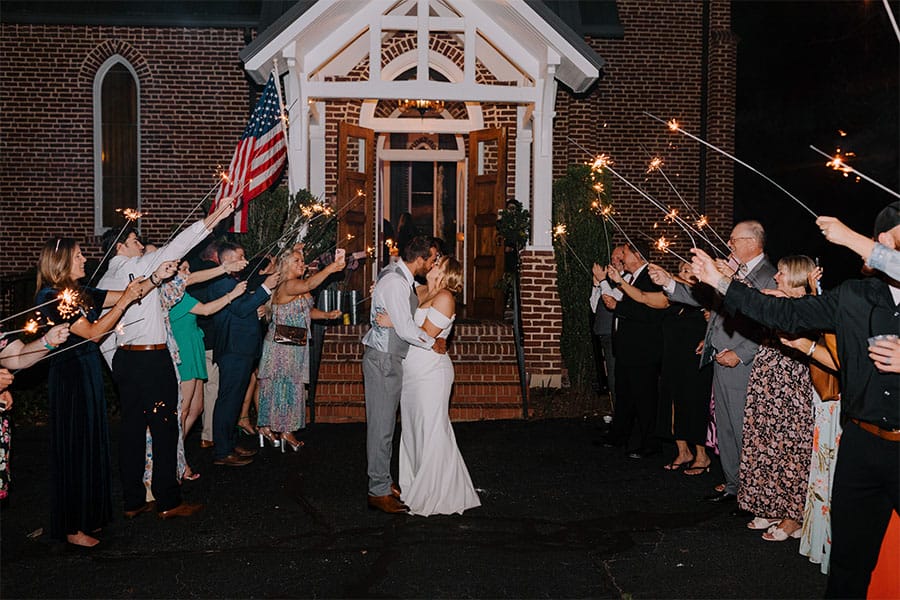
734 239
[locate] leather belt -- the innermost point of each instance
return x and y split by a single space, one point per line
142 347
891 435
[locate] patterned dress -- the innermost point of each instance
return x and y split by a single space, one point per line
777 436
284 371
816 539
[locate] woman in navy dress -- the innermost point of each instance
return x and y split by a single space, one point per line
80 479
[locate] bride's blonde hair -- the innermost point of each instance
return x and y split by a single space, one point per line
453 274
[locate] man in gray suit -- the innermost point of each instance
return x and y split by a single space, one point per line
731 341
386 347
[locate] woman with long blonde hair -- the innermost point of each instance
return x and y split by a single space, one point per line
284 365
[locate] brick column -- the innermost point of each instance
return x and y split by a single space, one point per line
541 319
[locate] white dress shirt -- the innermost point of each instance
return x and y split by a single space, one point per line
144 322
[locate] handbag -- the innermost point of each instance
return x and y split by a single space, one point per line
288 334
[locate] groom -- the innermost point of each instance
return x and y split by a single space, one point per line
395 293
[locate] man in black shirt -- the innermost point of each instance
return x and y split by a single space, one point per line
867 474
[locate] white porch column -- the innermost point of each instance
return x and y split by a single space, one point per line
524 139
298 118
544 113
317 149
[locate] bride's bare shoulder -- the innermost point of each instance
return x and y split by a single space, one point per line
444 302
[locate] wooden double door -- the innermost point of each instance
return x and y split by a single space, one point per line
360 226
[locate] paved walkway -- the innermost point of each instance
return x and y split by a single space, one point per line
561 518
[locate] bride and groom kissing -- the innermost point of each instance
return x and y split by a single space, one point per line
405 363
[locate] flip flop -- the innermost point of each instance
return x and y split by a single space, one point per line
674 466
693 471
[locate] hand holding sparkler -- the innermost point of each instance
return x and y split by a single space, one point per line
234 266
814 279
838 233
706 270
658 275
57 335
6 379
223 210
613 275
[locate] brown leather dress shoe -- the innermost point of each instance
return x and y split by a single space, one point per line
182 510
387 504
395 490
207 443
233 460
245 452
145 507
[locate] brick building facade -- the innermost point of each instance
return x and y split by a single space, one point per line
669 59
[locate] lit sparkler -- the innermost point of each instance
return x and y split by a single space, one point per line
655 164
837 163
131 215
559 232
31 327
674 126
664 246
69 303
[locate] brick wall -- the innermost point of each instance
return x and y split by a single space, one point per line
193 108
657 67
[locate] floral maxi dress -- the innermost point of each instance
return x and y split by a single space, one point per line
284 371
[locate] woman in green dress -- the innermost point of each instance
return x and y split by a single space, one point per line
189 336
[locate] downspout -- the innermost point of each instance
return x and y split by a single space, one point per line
704 105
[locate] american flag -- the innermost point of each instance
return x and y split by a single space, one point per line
259 157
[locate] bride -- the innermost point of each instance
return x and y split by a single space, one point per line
433 475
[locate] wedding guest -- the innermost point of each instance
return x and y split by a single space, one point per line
815 541
206 259
80 479
18 355
284 366
140 355
684 389
602 326
238 342
189 337
778 424
867 477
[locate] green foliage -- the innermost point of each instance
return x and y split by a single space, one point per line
580 239
514 224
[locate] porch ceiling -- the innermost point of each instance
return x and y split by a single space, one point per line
514 26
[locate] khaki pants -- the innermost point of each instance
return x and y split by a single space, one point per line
210 393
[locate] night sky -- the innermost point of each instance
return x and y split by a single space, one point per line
807 70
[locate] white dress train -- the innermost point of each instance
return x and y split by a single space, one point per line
433 474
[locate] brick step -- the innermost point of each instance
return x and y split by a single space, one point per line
474 400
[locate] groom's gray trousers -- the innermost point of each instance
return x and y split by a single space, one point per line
383 376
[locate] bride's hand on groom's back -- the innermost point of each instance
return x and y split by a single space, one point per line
440 345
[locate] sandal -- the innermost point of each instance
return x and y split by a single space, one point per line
695 469
245 430
759 523
777 534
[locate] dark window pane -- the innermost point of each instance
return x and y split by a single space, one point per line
118 108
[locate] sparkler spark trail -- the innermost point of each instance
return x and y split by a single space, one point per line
559 232
663 245
837 163
674 126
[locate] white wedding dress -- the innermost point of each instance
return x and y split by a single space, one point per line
433 475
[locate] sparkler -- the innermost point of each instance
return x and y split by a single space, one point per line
223 178
66 295
656 164
663 245
559 232
625 235
674 126
84 341
837 163
31 327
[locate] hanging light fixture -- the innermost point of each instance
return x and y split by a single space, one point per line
422 106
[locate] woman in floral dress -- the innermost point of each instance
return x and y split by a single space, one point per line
778 424
284 368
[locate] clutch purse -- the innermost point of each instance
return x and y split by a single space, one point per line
286 334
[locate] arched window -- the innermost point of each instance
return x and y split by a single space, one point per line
116 142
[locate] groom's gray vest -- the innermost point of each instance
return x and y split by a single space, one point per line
385 339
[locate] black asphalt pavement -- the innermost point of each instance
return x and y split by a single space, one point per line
560 518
